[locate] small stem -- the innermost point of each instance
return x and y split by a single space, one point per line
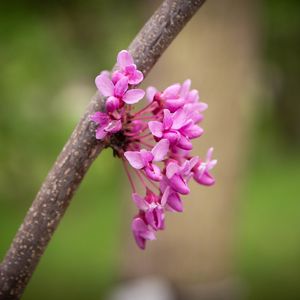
128 175
146 108
150 181
146 144
144 118
141 178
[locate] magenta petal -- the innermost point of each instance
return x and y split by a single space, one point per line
193 131
179 119
201 106
167 119
104 84
100 133
193 96
133 96
205 178
114 126
116 76
121 87
138 226
165 195
171 91
153 172
141 242
139 201
174 104
172 136
136 78
135 159
156 128
112 103
148 235
100 118
155 218
172 169
185 88
175 202
184 143
160 150
124 59
150 93
193 162
179 185
146 156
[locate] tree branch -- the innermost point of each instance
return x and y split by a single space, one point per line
78 154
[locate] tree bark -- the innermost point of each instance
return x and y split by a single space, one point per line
78 154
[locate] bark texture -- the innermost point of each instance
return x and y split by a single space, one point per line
78 154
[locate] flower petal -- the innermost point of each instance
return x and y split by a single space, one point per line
171 91
153 172
179 185
179 119
100 133
165 196
139 201
175 202
121 87
135 159
124 59
193 131
136 78
104 84
172 169
184 143
174 104
112 103
204 178
133 96
185 88
146 156
150 93
114 126
192 97
156 128
99 118
167 119
160 150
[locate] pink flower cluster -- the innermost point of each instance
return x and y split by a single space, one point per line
155 141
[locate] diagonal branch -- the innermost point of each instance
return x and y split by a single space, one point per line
78 154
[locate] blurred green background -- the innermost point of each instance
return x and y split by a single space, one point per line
50 52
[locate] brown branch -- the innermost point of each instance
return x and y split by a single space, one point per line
78 154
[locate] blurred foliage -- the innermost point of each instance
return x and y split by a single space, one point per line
281 21
268 244
269 232
50 53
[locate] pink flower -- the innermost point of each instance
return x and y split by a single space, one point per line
117 93
141 232
127 68
178 176
144 159
201 169
171 198
177 128
152 207
155 141
105 125
173 97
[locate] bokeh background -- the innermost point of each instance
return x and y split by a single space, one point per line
244 58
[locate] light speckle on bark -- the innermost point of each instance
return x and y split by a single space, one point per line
78 154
